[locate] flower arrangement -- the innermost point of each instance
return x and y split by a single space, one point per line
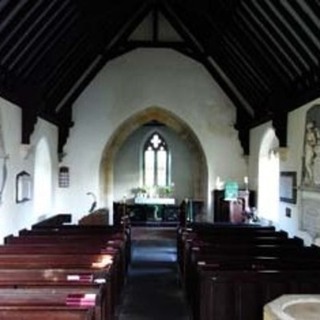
139 191
155 191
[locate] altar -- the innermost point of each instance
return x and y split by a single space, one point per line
152 210
154 201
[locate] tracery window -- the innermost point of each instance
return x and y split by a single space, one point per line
155 161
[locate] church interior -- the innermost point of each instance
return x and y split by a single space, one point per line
165 153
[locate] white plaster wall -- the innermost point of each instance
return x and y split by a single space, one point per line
291 162
134 82
256 136
17 216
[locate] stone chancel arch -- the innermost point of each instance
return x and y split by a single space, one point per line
123 132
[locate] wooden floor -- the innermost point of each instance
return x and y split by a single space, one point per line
152 290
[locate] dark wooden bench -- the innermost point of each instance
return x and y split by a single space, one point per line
92 230
57 249
120 262
56 278
226 233
52 303
212 259
234 246
65 256
46 312
236 294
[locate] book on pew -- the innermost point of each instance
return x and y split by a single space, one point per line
87 278
81 300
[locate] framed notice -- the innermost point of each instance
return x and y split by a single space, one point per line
288 186
23 187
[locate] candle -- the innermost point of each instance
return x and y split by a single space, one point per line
219 183
246 180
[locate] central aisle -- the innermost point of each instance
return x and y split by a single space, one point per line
152 290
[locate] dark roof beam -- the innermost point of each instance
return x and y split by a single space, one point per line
313 10
310 19
265 54
80 84
230 43
79 53
296 61
246 50
210 64
155 24
14 31
122 34
160 44
8 13
57 73
37 31
228 86
169 13
309 32
86 78
62 88
286 33
295 29
49 46
241 80
275 51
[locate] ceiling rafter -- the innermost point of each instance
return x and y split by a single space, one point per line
11 31
230 66
296 30
263 54
228 51
199 49
48 44
286 33
245 63
296 62
30 40
271 52
78 62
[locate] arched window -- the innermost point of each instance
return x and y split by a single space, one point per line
268 183
42 179
155 161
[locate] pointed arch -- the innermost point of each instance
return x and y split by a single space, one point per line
268 179
42 179
200 173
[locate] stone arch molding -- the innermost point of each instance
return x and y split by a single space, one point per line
200 174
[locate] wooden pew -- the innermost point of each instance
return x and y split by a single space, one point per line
236 294
114 231
234 246
240 251
83 240
244 263
51 303
224 233
56 278
56 220
66 246
46 312
49 255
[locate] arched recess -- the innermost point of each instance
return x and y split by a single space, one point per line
268 179
42 179
200 174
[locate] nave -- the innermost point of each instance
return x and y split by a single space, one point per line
153 289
